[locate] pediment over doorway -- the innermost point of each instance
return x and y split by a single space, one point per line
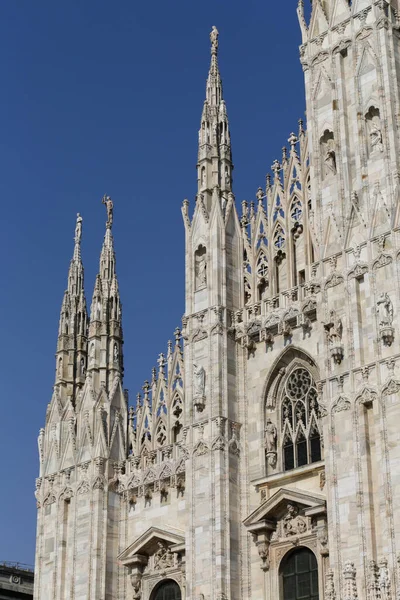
152 541
290 516
274 508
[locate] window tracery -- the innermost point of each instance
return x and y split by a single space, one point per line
279 238
301 437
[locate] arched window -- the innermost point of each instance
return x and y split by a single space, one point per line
167 590
301 440
299 575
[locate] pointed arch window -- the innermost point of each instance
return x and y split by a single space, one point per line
279 238
296 210
300 417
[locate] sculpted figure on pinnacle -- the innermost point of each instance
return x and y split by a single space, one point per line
110 210
214 39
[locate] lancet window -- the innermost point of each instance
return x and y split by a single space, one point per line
300 433
279 238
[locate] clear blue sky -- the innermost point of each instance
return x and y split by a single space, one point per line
106 97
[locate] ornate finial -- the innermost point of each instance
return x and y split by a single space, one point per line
214 40
78 229
293 140
110 210
276 167
177 334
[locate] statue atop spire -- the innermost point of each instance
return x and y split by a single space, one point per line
214 40
110 210
78 229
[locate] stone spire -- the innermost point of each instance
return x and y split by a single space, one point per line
214 157
71 353
105 330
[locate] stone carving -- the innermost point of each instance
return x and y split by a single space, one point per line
330 593
91 354
350 583
201 271
374 126
375 135
214 39
384 309
199 386
110 210
372 581
78 229
263 552
163 558
83 367
136 581
291 523
384 580
116 354
271 434
334 331
329 154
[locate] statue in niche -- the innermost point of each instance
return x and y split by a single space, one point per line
83 368
373 120
201 267
335 329
271 434
60 367
78 228
328 153
199 381
385 310
91 355
203 177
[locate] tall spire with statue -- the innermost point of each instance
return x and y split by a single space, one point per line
71 353
214 166
105 330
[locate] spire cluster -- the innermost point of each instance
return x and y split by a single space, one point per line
96 345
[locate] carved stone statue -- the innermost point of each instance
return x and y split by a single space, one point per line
83 367
201 271
385 310
214 38
136 581
199 381
110 210
116 354
292 524
78 228
335 329
92 353
271 433
330 157
163 558
375 136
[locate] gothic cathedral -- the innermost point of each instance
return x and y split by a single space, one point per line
262 461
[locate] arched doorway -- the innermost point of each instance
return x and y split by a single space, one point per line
167 590
299 575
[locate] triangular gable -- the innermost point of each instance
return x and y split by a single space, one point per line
146 544
273 508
